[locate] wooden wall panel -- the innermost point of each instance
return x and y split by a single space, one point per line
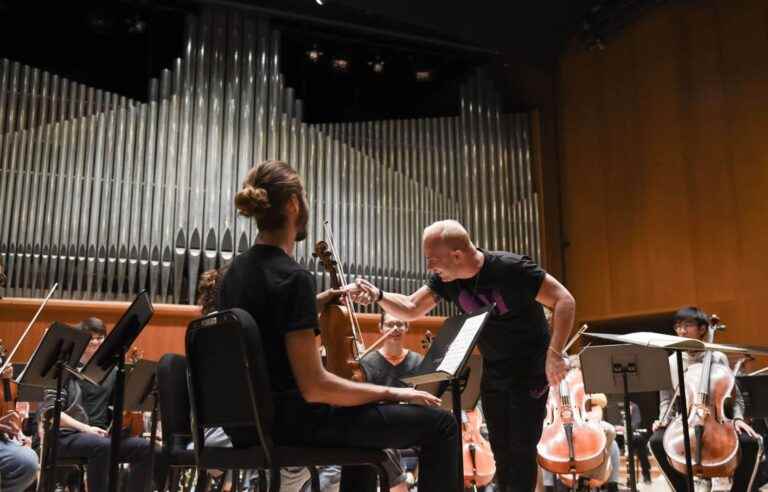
165 332
664 161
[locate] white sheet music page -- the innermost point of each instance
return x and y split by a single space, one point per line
458 349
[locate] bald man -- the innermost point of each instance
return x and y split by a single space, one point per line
521 358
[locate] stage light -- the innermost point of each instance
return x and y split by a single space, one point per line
136 25
340 64
314 54
424 75
377 66
320 2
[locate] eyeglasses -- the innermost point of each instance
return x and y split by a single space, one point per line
395 324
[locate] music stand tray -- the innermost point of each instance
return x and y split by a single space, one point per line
119 338
139 386
58 339
451 348
624 369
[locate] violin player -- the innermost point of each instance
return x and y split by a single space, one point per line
314 406
18 462
692 322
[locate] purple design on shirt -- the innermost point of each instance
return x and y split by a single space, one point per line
471 303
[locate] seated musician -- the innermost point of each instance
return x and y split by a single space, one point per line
692 322
313 406
292 478
18 462
387 366
639 439
85 419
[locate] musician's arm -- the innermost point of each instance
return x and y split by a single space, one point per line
68 422
556 297
320 386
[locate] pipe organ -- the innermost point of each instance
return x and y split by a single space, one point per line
107 195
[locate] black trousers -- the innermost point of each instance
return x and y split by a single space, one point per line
371 426
96 449
515 417
750 453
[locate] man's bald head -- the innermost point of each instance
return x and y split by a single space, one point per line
449 252
448 233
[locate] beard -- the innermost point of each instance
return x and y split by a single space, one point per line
301 223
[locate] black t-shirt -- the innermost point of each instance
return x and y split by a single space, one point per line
378 370
96 399
280 295
515 338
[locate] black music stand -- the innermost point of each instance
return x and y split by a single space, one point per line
141 396
111 354
625 369
754 389
447 359
54 359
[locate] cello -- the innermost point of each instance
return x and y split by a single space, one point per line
714 441
570 443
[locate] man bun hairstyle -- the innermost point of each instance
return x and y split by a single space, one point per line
266 189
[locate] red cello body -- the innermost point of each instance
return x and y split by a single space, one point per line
479 464
570 443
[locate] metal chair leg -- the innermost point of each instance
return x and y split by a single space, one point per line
274 480
314 479
202 480
383 477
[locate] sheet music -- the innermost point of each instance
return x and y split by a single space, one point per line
460 345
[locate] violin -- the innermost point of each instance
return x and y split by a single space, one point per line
339 328
9 390
571 443
714 441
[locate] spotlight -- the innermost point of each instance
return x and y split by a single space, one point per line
424 75
314 54
340 64
320 2
136 25
377 66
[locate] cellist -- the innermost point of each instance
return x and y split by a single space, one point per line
692 322
313 406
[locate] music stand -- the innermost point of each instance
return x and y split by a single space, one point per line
469 383
55 357
624 369
753 389
141 396
447 358
111 354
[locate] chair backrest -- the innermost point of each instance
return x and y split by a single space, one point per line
228 380
174 401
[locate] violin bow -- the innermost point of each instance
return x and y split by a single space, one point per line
342 278
575 337
29 326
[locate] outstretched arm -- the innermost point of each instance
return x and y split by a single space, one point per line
401 306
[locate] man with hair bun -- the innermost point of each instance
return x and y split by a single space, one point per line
520 356
313 406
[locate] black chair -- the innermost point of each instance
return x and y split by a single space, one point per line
174 416
224 365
